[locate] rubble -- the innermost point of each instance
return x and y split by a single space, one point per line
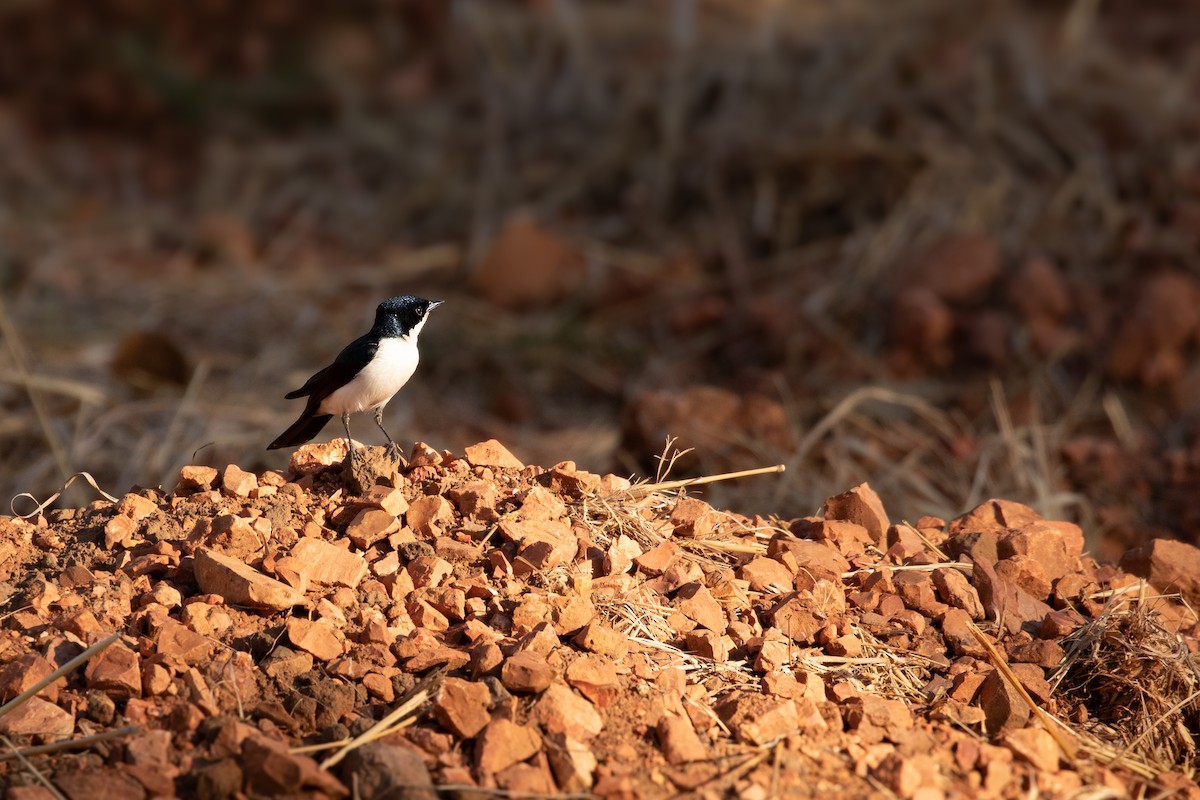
542 633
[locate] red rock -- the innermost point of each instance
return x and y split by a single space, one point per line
956 630
1057 624
922 323
655 561
693 518
1169 565
462 707
240 584
390 499
757 719
526 672
178 645
272 771
38 717
916 590
1034 745
527 780
573 763
156 679
1043 652
315 637
428 571
1027 573
504 743
1004 600
678 740
528 265
817 559
97 784
707 644
24 672
120 530
1056 546
600 638
695 601
379 770
1159 323
1003 706
116 670
861 506
621 555
793 617
236 482
560 710
595 677
429 516
369 526
492 454
907 775
196 478
955 590
766 575
136 507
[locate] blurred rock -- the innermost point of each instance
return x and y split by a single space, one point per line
528 266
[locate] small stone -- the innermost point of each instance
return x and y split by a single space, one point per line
369 526
462 707
196 478
429 516
504 743
862 506
1003 707
136 507
600 638
655 561
38 717
955 590
491 454
236 482
693 518
1034 745
23 673
679 740
116 670
240 584
1169 565
595 677
697 603
384 770
330 565
315 637
767 575
573 763
526 672
560 710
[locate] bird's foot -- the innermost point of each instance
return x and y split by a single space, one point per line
394 452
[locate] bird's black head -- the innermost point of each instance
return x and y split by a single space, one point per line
401 316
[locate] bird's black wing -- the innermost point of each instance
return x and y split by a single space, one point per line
348 363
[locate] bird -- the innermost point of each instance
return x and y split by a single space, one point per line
365 375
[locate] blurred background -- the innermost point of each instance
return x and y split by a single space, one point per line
947 248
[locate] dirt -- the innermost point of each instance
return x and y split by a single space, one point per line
544 630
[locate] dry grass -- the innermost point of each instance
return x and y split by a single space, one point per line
1140 685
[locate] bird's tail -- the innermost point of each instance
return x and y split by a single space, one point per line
301 431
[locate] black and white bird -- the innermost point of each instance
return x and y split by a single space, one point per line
365 375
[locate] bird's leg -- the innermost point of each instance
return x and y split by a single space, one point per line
349 441
393 449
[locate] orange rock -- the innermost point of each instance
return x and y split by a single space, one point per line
560 710
236 482
1002 704
240 584
526 672
600 638
862 506
369 526
462 707
696 602
693 518
957 268
25 671
196 478
1169 565
315 637
491 453
116 671
679 740
595 677
38 717
1034 745
766 575
504 743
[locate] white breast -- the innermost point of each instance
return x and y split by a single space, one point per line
394 363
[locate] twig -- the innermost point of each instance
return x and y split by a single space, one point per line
69 744
87 476
1068 750
667 486
66 668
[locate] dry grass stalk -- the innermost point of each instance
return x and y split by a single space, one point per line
69 744
42 506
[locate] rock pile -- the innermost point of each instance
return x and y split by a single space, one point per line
467 621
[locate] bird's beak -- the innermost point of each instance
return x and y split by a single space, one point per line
435 303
